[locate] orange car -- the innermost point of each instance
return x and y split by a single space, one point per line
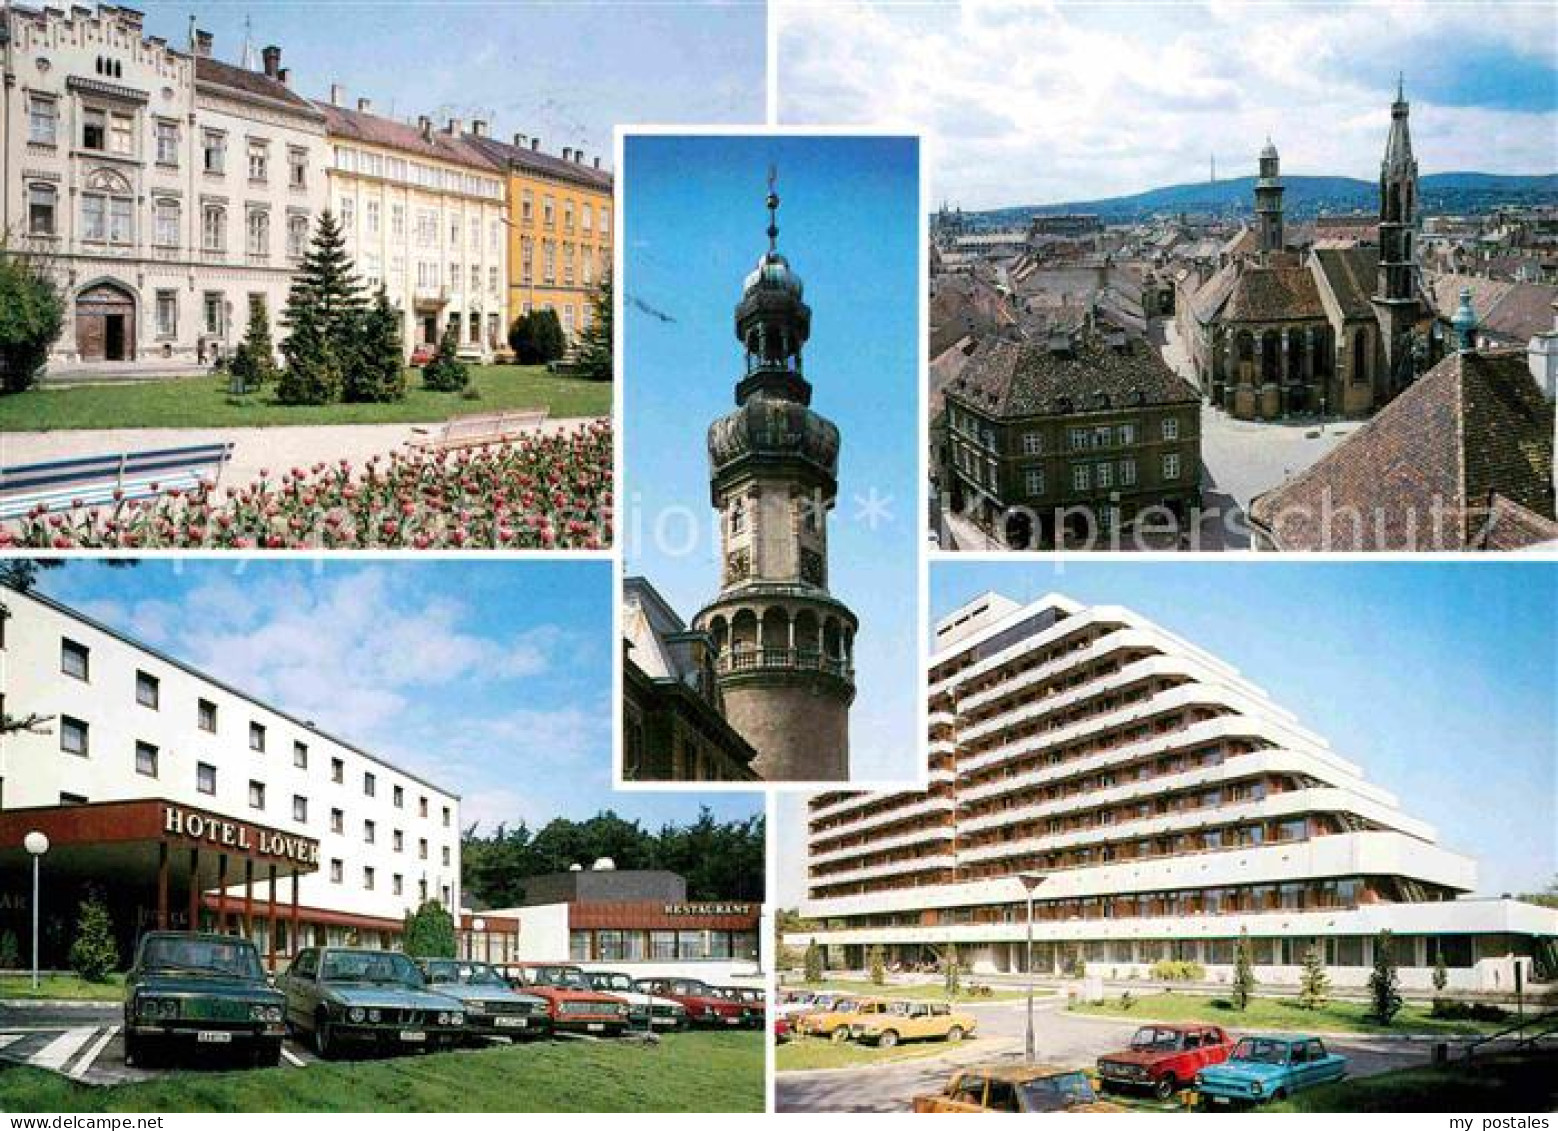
834 1023
1016 1088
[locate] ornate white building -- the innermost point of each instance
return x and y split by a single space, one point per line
1162 803
169 191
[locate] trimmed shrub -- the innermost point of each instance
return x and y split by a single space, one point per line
1172 970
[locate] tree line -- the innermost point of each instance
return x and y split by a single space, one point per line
721 860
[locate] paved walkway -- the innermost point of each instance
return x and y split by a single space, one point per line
254 449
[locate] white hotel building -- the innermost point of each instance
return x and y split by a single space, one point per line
1165 804
183 800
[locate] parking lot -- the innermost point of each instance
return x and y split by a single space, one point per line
1063 1039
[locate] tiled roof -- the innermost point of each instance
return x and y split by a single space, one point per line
1212 294
1349 274
1273 294
1019 379
1473 428
254 83
544 164
1518 311
355 125
1510 526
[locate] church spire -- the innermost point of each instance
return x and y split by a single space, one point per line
773 211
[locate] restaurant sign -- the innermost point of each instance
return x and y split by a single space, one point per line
710 909
239 836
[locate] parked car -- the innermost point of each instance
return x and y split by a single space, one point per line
1164 1058
201 991
834 1023
493 1008
753 1000
1269 1068
781 1030
645 1010
575 1006
704 1006
1016 1088
911 1021
345 996
807 1001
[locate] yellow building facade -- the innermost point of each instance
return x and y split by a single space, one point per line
560 227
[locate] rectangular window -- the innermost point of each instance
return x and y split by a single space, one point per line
370 785
447 816
167 143
297 168
1078 439
299 808
257 737
165 223
421 807
146 759
445 853
75 660
1127 473
167 314
1171 466
399 796
337 821
213 150
370 832
399 883
1127 434
367 878
205 715
422 848
1033 481
1170 428
337 770
370 217
1081 477
94 129
121 135
398 839
336 871
297 236
43 119
1105 476
213 228
147 688
42 210
256 795
300 755
94 217
258 227
205 778
1032 443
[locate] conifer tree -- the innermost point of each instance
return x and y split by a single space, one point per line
1243 972
327 283
94 953
1314 986
254 361
429 932
813 963
1384 984
313 372
379 373
878 965
594 352
446 373
1441 973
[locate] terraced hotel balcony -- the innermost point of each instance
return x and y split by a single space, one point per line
883 844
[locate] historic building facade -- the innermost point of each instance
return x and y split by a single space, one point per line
560 224
1077 435
1276 330
1160 803
673 714
167 190
784 646
423 212
191 804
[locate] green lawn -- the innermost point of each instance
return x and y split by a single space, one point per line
931 991
58 987
1284 1014
1490 1084
203 402
686 1072
802 1053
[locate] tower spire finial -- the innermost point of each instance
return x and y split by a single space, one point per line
773 210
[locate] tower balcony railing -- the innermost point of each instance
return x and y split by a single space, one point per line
784 659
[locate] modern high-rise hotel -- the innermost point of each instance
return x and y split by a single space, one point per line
1158 804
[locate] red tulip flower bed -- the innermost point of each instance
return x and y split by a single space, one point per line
538 493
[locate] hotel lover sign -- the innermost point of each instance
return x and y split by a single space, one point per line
222 833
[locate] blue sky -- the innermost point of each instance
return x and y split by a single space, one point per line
565 72
1040 103
490 678
1439 679
849 224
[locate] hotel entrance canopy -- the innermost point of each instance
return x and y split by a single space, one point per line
133 849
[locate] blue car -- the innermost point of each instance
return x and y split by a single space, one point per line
1269 1068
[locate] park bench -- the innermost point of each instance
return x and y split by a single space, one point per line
474 431
95 480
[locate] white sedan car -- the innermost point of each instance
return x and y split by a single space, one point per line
645 1011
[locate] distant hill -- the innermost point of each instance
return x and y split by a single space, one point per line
1306 197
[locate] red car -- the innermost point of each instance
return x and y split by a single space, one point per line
1165 1058
571 1002
781 1030
706 1006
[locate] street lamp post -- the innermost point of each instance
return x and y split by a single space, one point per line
1030 881
37 844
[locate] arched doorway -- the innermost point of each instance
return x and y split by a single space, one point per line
105 323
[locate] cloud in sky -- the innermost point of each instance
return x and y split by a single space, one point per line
1039 103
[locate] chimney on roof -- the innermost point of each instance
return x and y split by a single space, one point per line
479 127
578 156
203 40
567 154
272 57
425 126
455 127
284 76
520 141
597 162
337 94
365 105
535 145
